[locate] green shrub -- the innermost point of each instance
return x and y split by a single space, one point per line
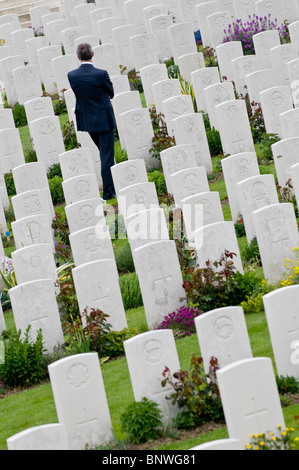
54 170
173 71
195 393
287 385
250 253
111 343
10 184
240 227
59 106
124 259
158 178
19 115
25 363
130 291
214 141
117 227
29 152
69 136
218 284
142 421
55 185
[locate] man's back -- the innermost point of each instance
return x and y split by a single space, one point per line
93 90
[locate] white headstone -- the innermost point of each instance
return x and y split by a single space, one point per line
175 107
254 193
87 246
182 40
19 38
121 38
277 233
202 79
236 168
222 333
84 214
28 83
11 150
146 227
138 135
259 81
43 437
137 197
32 202
199 210
80 187
289 123
189 182
68 36
76 162
7 65
212 241
177 158
45 56
285 153
145 50
34 262
263 42
159 25
147 356
105 57
218 22
34 303
87 422
190 129
160 278
32 230
252 384
163 90
188 63
217 94
225 54
234 127
47 139
127 173
220 444
97 287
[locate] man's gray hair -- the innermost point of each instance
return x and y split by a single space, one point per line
84 51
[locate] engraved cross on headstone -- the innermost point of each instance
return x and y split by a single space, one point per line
256 414
39 318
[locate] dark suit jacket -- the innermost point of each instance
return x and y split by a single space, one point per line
93 90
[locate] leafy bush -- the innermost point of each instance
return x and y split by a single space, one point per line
57 194
265 154
54 170
173 71
158 178
25 363
181 321
69 136
10 184
250 253
19 115
214 141
111 343
124 259
130 291
195 393
240 227
287 385
218 284
142 421
59 105
161 140
254 302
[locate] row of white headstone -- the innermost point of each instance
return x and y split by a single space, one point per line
221 333
76 374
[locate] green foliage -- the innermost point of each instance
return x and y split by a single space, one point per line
213 137
142 421
19 115
250 253
265 154
254 302
69 136
287 385
59 106
54 170
195 393
161 140
158 178
130 291
124 260
214 141
173 71
218 284
210 57
25 362
57 194
10 184
111 344
240 227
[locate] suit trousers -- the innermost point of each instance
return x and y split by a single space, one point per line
105 143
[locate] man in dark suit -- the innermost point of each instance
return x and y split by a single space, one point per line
93 90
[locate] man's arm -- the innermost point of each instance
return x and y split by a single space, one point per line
108 85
